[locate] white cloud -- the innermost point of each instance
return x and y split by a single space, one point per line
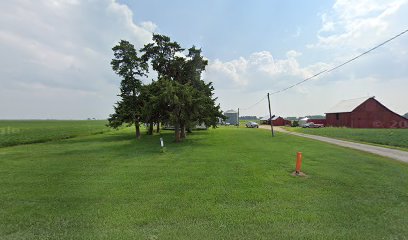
55 58
349 28
355 24
63 46
259 71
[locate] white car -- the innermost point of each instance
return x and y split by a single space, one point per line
252 125
312 125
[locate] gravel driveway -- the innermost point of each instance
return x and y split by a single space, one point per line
382 151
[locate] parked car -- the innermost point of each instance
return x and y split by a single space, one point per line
312 125
252 125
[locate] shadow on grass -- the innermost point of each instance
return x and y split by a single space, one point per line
124 143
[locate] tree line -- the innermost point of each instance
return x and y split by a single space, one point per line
178 96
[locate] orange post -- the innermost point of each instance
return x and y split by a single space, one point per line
298 162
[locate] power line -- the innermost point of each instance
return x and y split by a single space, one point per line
253 105
342 64
328 70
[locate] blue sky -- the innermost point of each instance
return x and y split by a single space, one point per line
230 29
55 54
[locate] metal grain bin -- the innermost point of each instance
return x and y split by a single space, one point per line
232 117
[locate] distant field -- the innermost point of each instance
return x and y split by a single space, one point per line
15 132
388 137
225 183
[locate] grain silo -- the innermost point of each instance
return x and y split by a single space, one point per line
232 117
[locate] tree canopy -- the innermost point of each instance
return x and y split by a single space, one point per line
178 96
130 68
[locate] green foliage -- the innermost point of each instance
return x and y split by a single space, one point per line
162 54
179 96
232 183
295 123
406 115
16 132
130 68
387 137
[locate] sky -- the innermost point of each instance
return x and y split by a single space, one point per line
55 54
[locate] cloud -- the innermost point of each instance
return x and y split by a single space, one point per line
354 24
63 45
347 29
259 71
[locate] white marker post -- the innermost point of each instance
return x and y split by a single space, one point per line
161 142
162 149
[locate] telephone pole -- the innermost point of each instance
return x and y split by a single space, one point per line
238 118
270 116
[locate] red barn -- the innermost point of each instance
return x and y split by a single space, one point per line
364 113
277 121
280 121
317 121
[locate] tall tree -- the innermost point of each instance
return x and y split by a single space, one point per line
179 96
162 54
203 108
131 68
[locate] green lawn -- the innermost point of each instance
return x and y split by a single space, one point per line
227 183
243 122
14 132
387 137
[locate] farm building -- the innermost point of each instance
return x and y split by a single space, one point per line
280 121
232 117
277 121
317 121
364 113
264 120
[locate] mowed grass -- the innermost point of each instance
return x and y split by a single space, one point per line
227 183
387 137
15 132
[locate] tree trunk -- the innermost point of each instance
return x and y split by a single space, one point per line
158 127
137 126
183 131
150 131
177 132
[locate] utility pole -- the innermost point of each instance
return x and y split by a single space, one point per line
270 116
238 118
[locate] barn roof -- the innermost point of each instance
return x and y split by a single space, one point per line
266 118
348 105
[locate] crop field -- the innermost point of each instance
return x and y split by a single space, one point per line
387 137
15 132
225 183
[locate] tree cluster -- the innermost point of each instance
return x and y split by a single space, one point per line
248 117
178 96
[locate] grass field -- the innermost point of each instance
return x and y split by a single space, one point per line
228 183
387 137
243 122
14 132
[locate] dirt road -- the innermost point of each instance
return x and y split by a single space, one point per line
382 151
